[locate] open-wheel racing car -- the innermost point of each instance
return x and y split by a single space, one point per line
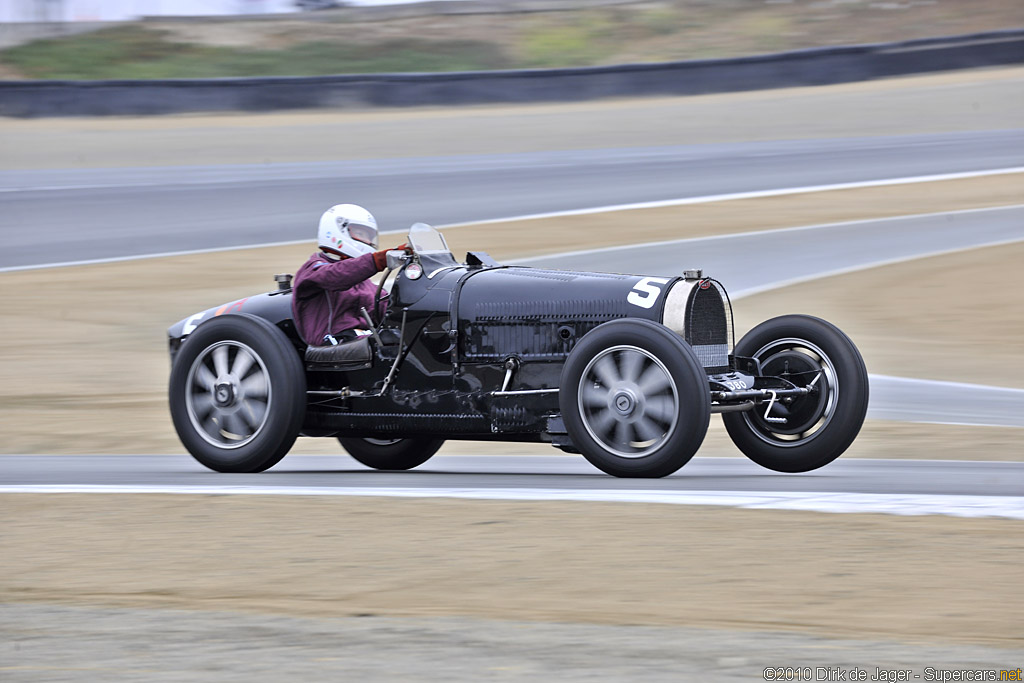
624 369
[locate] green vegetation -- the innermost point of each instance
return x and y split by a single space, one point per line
344 42
585 42
132 51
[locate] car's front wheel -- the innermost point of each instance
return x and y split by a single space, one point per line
237 394
635 399
390 454
815 429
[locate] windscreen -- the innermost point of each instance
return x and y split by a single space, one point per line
425 240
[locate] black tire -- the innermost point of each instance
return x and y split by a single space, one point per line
635 399
232 412
821 425
391 454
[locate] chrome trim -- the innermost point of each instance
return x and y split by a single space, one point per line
441 270
523 392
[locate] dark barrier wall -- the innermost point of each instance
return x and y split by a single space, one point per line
818 66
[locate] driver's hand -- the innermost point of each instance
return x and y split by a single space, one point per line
380 258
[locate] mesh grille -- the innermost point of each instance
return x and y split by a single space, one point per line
713 356
709 325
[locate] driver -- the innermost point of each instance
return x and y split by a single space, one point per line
334 284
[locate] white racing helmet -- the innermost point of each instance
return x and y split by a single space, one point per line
348 230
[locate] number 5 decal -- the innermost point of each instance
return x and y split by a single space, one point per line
646 291
192 323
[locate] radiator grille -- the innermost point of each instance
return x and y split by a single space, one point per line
709 325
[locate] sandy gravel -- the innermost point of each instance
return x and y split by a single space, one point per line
863 576
79 643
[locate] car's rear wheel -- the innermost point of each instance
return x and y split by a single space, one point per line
391 454
815 429
237 394
635 399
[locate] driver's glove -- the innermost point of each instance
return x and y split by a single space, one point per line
380 258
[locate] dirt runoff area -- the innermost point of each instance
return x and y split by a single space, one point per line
863 576
86 367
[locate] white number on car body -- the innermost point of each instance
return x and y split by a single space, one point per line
646 291
192 323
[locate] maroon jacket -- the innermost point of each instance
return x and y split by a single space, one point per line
327 295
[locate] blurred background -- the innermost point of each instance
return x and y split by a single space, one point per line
891 206
164 39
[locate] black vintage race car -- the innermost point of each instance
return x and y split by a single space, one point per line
624 369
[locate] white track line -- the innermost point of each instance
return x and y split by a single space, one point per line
706 199
1009 391
777 231
709 199
163 254
874 503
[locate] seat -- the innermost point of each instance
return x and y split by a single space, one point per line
348 355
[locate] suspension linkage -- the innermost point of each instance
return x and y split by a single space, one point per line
758 394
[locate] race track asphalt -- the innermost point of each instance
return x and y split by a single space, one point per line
104 213
563 472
